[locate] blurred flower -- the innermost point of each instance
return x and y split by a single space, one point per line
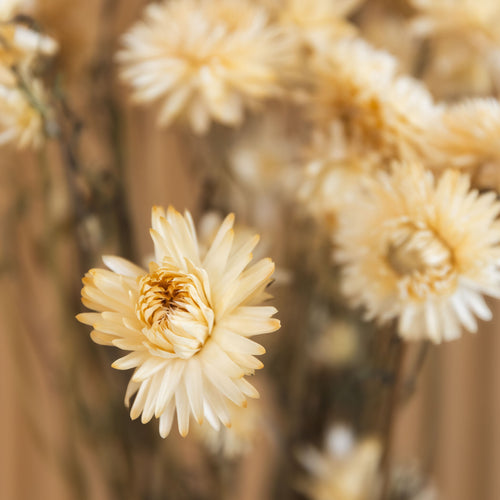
407 482
19 42
334 168
237 440
451 74
422 251
205 60
347 470
186 322
471 20
21 122
23 101
318 23
8 8
464 50
339 344
360 85
467 134
265 155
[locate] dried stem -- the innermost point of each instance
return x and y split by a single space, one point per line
397 352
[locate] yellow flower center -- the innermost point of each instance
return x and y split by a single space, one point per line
174 308
422 260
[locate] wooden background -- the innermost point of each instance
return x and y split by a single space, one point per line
451 426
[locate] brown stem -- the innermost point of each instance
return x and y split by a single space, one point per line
397 355
410 383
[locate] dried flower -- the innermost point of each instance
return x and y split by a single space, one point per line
317 24
19 42
8 8
264 156
23 101
422 251
339 344
407 482
359 85
467 134
348 470
334 168
465 19
186 322
21 122
205 60
451 74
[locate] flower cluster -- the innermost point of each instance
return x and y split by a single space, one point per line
22 96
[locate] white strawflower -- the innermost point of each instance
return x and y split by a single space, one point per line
358 84
18 41
205 60
319 23
186 322
338 345
347 470
422 251
8 8
264 156
467 133
28 41
333 169
21 122
464 19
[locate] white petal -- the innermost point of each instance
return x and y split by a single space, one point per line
193 383
151 366
182 405
140 399
170 381
167 418
123 266
131 360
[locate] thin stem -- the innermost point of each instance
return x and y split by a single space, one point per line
398 350
410 384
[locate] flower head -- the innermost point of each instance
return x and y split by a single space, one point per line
339 344
265 154
9 8
23 100
186 322
421 250
360 85
334 168
347 470
20 121
467 134
204 60
318 23
475 21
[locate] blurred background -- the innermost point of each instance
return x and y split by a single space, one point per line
449 429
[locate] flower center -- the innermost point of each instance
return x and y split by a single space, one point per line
175 311
422 260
